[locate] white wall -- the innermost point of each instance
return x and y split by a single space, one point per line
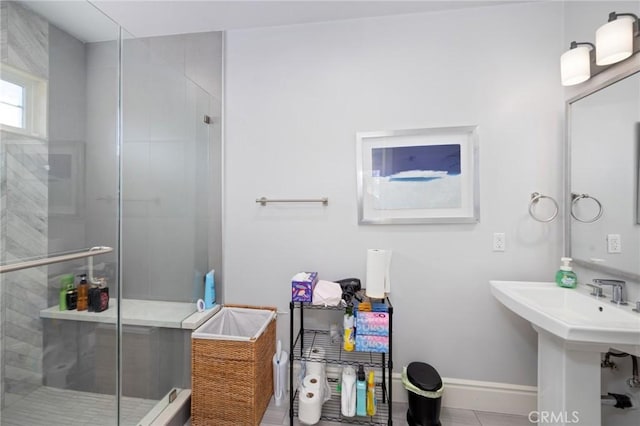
296 96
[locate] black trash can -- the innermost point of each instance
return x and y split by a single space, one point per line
425 394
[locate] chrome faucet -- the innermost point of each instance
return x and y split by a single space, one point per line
617 286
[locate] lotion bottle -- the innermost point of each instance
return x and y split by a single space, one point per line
565 277
361 393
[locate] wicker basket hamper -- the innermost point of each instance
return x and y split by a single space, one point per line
232 380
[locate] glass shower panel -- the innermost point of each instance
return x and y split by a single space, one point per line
59 190
164 214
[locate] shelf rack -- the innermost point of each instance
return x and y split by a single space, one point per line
334 354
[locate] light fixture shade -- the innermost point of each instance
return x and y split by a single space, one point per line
614 41
575 65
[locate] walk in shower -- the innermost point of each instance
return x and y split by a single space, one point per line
109 142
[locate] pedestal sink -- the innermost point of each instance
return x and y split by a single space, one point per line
573 328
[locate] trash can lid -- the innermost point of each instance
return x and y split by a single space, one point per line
424 376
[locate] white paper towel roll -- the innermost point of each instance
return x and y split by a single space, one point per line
378 266
310 407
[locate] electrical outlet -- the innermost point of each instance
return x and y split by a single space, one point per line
499 241
614 243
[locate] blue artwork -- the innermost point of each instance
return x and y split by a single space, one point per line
416 177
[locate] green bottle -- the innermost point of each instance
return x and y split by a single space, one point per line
565 277
66 284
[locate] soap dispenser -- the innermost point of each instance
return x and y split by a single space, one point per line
565 277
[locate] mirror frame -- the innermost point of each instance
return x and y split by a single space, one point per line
601 80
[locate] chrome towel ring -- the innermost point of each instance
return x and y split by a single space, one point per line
535 198
574 201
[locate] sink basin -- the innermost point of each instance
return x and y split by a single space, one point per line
573 328
570 314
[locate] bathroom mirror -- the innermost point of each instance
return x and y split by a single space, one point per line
603 180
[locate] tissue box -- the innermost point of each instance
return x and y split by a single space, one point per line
368 343
302 288
372 323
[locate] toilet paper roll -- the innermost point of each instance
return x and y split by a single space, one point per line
309 407
378 265
312 383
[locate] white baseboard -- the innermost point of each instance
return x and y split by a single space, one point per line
469 394
480 396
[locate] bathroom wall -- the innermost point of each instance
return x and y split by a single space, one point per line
296 96
24 206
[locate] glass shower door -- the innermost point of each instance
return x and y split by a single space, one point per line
165 195
58 195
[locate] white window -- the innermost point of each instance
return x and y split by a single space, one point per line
23 102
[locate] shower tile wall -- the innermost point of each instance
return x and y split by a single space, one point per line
24 226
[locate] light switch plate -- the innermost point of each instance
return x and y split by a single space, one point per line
499 241
614 243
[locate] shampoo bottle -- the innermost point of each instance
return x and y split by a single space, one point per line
209 290
83 293
361 393
565 277
66 284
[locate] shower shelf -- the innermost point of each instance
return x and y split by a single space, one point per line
149 313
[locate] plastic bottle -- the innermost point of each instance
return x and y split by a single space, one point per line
565 277
361 393
371 395
348 392
349 338
66 284
83 293
209 290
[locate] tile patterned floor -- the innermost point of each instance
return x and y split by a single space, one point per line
52 406
279 416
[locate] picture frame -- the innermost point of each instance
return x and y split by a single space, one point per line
418 176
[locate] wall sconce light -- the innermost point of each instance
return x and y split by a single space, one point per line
614 40
575 63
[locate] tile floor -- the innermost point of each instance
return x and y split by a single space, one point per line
279 416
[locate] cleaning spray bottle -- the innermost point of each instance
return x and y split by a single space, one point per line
348 324
361 393
371 395
565 277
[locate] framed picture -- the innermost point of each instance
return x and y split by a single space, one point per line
418 176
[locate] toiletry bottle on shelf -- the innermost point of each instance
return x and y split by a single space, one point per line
66 284
565 277
348 392
209 290
83 293
349 338
371 395
72 299
361 393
